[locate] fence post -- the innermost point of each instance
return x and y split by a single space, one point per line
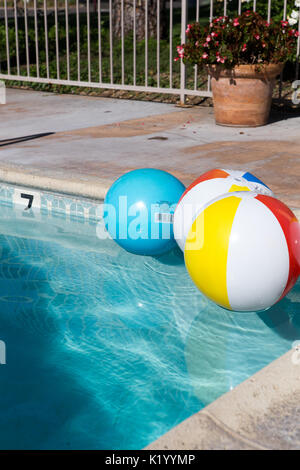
298 50
184 12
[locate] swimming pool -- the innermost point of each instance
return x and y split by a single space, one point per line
108 350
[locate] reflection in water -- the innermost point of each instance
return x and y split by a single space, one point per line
284 317
224 348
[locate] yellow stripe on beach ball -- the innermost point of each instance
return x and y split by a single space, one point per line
206 248
235 188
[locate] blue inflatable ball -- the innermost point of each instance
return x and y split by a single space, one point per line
138 211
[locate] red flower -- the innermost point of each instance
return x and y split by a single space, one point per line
236 22
244 47
205 55
219 19
257 36
180 51
221 59
293 32
284 23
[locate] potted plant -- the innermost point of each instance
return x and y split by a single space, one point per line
243 55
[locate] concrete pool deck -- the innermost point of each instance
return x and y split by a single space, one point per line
96 140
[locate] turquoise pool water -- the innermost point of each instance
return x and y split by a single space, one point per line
107 350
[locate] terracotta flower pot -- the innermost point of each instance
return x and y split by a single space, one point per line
243 95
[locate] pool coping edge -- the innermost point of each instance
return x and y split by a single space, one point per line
75 187
255 415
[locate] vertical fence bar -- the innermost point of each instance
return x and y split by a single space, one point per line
298 49
36 40
225 7
196 66
254 5
284 10
46 37
26 38
17 37
269 10
240 7
88 32
122 44
171 44
134 42
111 43
281 73
0 63
158 42
67 38
146 42
99 42
6 37
184 13
78 39
56 40
211 14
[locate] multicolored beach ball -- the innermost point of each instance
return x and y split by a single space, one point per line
242 251
207 187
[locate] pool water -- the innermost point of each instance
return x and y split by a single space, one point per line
108 350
